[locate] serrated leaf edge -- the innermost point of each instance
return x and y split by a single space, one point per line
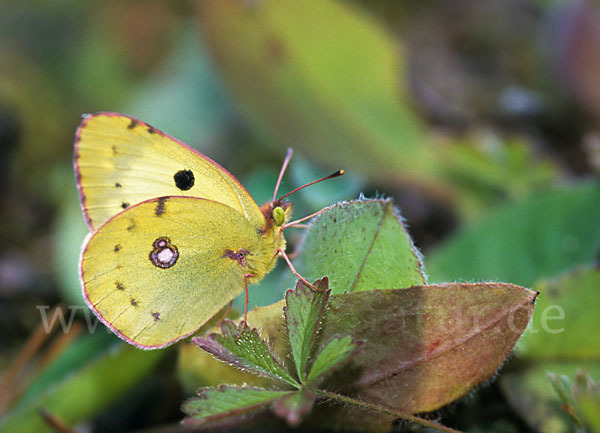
301 368
211 345
201 395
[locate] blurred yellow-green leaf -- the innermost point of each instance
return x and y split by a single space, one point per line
544 234
566 310
532 396
84 391
336 91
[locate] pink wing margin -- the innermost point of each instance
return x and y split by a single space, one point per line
88 117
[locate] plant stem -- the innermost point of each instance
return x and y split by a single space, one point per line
381 409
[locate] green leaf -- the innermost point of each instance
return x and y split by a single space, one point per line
538 237
197 369
563 387
247 352
84 351
303 311
589 406
70 229
295 406
197 121
581 398
485 168
532 396
361 245
566 311
85 392
337 351
336 90
227 401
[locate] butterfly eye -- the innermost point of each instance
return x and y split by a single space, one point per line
278 216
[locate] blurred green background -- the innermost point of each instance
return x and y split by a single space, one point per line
480 118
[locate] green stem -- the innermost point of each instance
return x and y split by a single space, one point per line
381 409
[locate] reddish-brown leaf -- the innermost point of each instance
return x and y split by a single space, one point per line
426 346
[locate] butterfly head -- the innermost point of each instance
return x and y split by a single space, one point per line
276 213
279 216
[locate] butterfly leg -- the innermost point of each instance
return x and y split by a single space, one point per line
301 226
293 254
300 277
296 251
297 223
301 220
246 276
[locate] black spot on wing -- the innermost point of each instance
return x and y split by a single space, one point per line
117 248
119 285
118 185
156 316
124 205
133 302
132 124
184 179
160 206
151 129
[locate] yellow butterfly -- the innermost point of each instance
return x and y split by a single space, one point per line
175 236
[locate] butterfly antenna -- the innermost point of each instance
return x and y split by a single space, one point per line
331 176
286 161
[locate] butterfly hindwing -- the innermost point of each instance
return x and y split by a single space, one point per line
120 161
157 271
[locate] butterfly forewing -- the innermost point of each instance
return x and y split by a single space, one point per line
121 161
160 269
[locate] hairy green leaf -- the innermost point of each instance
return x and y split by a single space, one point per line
361 245
303 311
246 351
337 351
213 404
